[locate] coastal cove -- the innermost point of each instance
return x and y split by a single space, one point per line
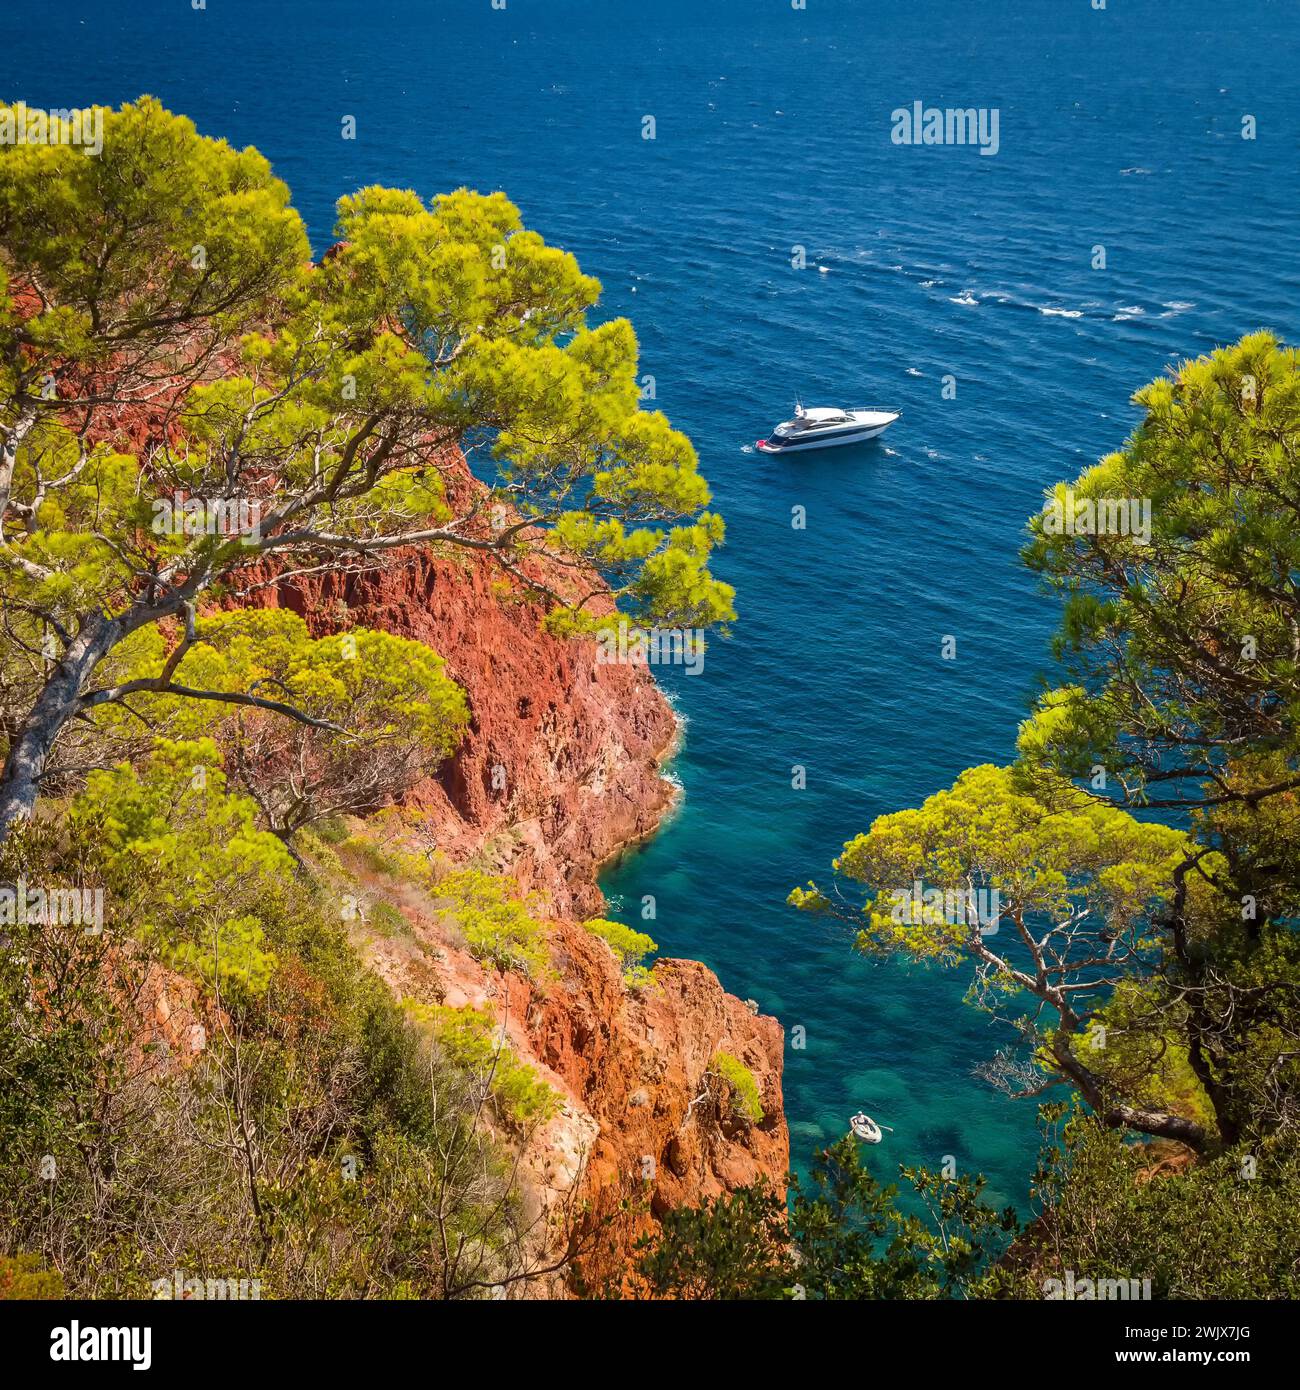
964 291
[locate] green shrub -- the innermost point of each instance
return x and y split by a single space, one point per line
183 862
311 1053
21 1276
375 857
1222 1227
332 830
498 928
743 1098
838 1234
387 920
471 1042
631 947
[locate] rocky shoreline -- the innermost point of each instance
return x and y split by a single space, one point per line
559 773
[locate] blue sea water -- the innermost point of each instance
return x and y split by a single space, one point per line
1119 128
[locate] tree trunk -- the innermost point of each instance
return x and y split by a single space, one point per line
29 753
1161 1124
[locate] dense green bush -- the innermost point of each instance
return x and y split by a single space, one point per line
473 1043
631 947
313 1139
743 1099
839 1236
1117 1210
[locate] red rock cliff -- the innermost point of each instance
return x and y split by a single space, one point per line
579 743
559 770
560 766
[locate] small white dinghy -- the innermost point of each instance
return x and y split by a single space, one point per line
866 1129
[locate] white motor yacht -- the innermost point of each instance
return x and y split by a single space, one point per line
821 427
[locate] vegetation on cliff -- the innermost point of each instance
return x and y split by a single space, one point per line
282 1118
199 1072
742 1100
307 416
630 946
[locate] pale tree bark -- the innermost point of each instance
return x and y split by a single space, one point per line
1116 1114
56 704
65 695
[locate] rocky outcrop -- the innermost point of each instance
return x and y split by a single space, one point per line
644 1124
638 1061
560 767
640 1064
559 770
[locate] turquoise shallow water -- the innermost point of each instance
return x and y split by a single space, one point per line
1119 128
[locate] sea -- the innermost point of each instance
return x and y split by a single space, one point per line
777 240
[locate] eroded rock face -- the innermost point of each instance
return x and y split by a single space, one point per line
560 767
640 1063
558 771
575 746
643 1118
